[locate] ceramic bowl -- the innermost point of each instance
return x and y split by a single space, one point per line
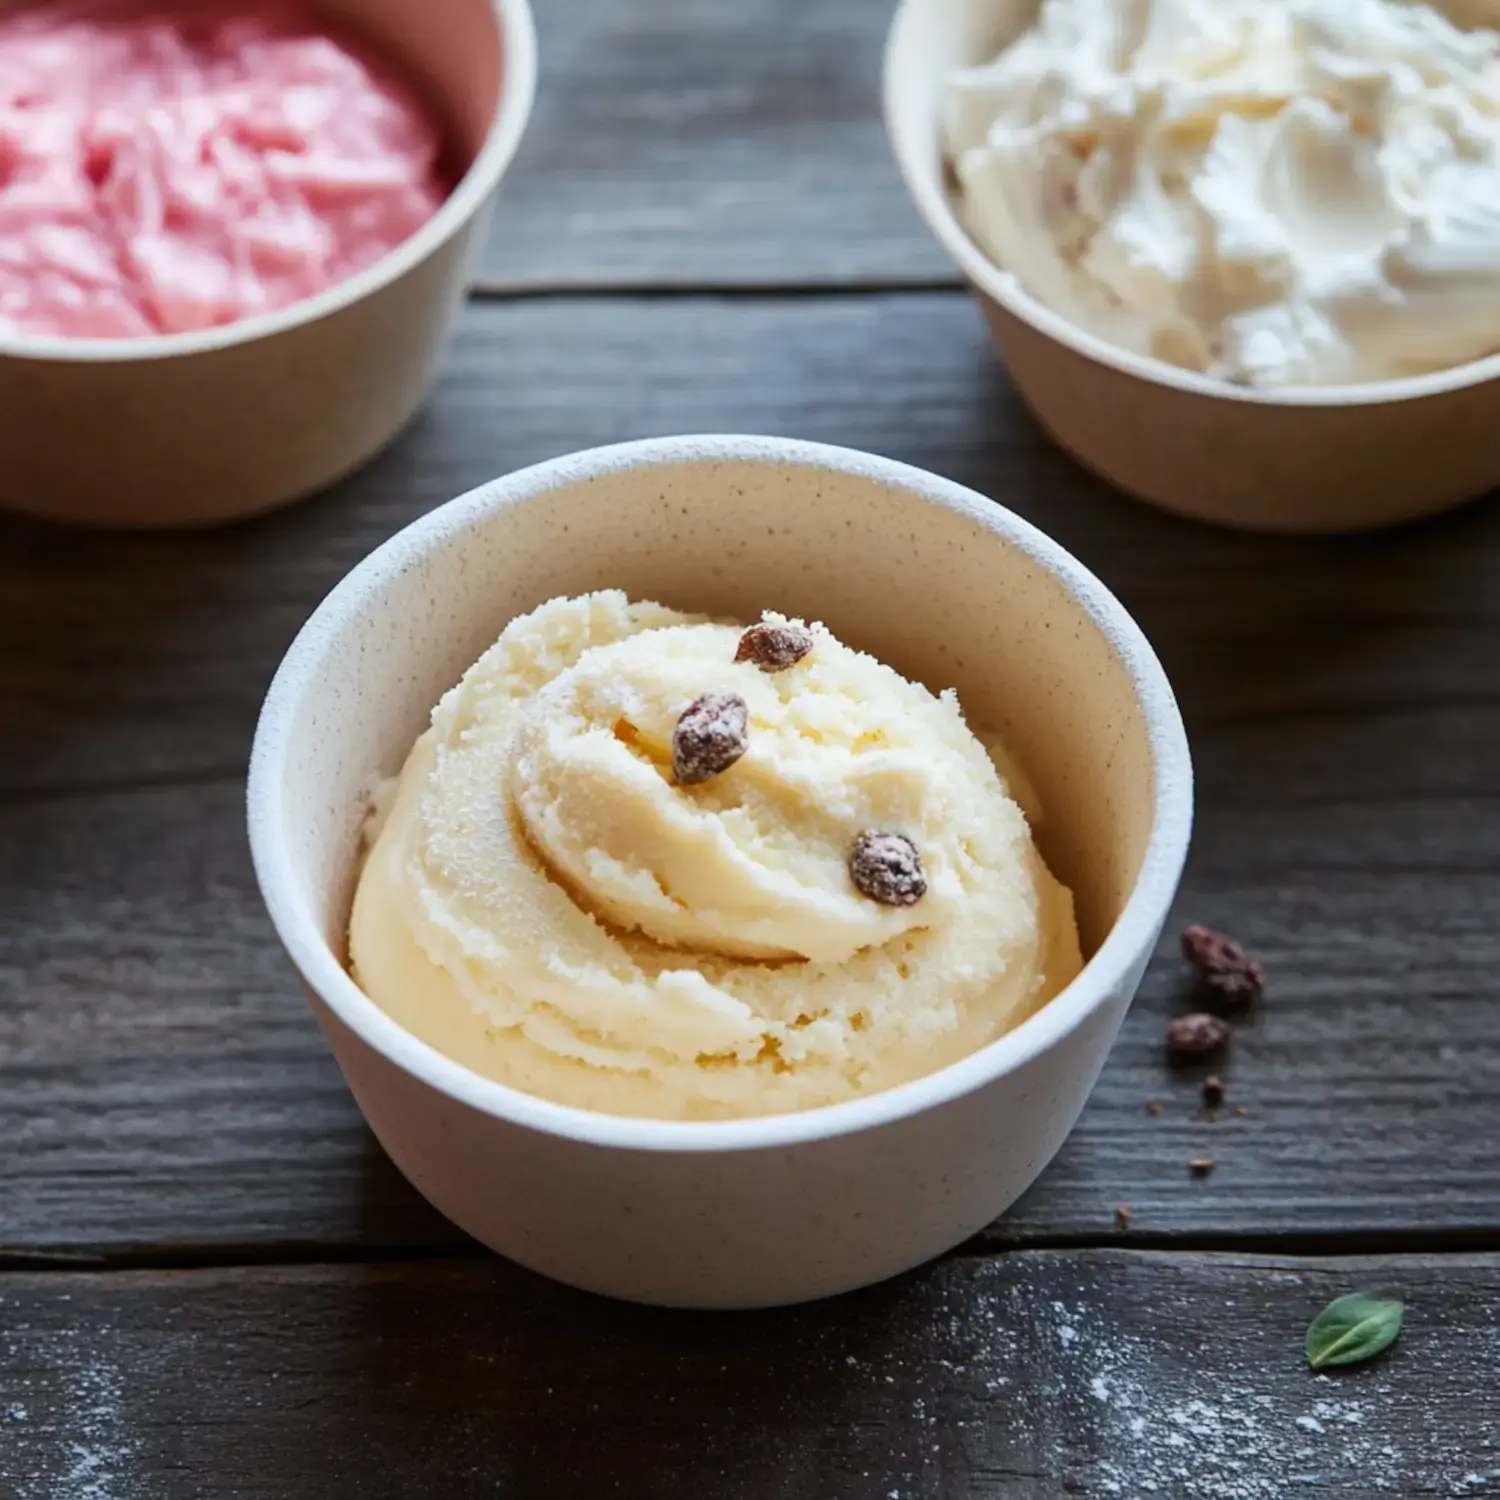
938 581
187 429
1320 459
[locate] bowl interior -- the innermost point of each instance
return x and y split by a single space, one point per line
451 49
929 40
955 593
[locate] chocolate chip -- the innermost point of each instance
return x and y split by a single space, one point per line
1201 1166
1191 1038
710 736
1213 1091
1223 967
887 868
774 648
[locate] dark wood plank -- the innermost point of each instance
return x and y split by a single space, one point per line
157 1065
690 141
129 658
125 658
163 1080
1028 1377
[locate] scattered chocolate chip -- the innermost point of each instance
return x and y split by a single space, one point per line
1153 1107
1123 1215
887 868
774 648
1201 1166
1213 1091
710 736
1192 1038
1223 966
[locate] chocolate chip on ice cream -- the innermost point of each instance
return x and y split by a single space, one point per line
711 735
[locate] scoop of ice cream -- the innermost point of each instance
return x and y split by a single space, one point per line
183 165
550 904
754 862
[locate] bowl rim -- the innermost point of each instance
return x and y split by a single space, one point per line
925 187
516 31
1126 946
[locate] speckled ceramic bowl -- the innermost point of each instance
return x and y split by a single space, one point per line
194 428
1313 459
947 587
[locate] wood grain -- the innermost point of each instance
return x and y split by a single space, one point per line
690 141
144 658
166 1098
162 1080
1025 1377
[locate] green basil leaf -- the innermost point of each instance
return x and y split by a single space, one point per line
1352 1329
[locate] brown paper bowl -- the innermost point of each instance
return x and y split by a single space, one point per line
1319 459
188 429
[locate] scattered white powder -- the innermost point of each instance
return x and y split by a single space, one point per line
1176 1417
1066 1332
1089 1409
101 1444
86 1447
1333 1411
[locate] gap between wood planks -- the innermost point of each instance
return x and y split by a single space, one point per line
488 290
228 1256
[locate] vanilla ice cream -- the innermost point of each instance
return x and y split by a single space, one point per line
653 865
1274 192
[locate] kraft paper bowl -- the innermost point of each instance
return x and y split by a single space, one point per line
194 428
943 584
1316 459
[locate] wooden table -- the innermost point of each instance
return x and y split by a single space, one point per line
213 1282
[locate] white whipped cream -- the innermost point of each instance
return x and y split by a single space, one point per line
1276 192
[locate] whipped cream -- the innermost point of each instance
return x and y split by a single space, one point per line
1273 192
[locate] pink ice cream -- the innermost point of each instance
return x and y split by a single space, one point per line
168 168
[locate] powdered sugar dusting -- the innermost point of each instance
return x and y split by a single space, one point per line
73 1438
1164 1416
1095 1380
1110 1377
1113 1379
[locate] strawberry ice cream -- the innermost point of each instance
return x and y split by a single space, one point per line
178 167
